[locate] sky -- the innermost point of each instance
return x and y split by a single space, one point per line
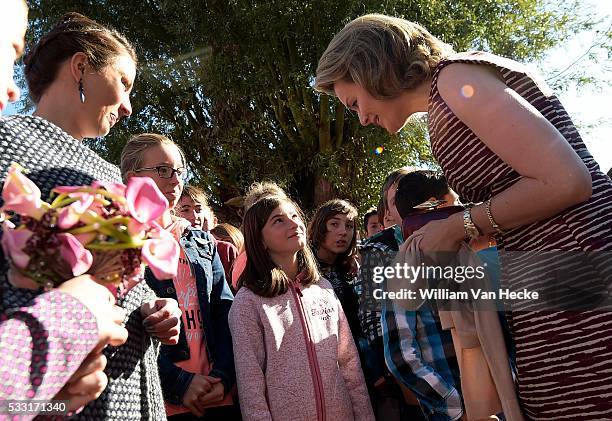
589 107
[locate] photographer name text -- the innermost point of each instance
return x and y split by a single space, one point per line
447 294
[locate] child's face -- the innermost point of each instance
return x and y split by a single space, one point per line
201 217
191 211
392 216
164 155
13 23
340 232
284 232
373 226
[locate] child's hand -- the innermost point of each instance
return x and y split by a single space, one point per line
200 385
215 394
162 319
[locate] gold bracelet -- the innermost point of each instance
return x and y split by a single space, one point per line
494 224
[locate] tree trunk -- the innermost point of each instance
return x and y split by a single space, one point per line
323 190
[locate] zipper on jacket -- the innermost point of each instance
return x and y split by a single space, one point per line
312 354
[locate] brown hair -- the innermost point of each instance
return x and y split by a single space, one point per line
259 190
261 275
133 152
196 194
228 232
317 229
74 33
383 54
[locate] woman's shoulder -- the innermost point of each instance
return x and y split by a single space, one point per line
323 283
36 142
475 66
481 57
33 126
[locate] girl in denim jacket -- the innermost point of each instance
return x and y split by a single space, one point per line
197 374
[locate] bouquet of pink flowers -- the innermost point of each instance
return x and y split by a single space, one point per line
107 230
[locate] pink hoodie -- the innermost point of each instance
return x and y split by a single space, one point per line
295 357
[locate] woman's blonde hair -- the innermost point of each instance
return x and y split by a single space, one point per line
382 54
133 152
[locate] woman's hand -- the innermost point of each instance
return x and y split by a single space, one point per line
99 300
89 381
444 235
86 384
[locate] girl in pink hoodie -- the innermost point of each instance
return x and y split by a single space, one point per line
294 353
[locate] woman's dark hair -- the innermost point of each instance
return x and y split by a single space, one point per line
74 33
317 229
261 275
418 186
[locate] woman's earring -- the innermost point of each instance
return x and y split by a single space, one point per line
81 91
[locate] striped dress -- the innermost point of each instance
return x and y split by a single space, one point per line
563 349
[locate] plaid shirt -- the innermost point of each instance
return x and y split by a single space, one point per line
376 251
418 352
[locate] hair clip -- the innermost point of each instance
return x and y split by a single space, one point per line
430 204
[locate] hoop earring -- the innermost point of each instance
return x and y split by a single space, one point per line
81 91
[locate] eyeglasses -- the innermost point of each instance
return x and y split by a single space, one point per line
165 171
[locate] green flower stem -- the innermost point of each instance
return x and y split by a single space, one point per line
102 192
57 200
115 246
63 203
108 195
106 227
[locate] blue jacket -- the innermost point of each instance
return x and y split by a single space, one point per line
215 299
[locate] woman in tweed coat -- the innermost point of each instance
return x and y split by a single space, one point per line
80 76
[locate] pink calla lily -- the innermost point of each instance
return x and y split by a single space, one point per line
114 188
71 214
144 200
14 241
66 189
21 195
162 256
86 238
136 229
72 251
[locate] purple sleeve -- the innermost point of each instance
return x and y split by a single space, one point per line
42 345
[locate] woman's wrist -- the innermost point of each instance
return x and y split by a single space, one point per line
455 227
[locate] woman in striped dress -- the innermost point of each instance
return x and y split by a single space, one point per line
503 138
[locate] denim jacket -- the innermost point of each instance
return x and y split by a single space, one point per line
215 299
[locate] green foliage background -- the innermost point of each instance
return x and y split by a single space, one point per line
230 81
